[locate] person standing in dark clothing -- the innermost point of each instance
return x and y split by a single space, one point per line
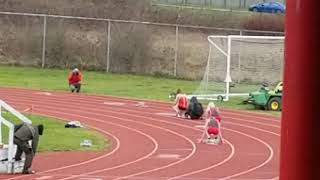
195 109
23 133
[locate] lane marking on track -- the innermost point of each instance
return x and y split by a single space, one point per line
44 177
176 149
199 126
163 166
141 104
114 103
166 114
168 156
44 93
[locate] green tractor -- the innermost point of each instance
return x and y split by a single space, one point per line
266 98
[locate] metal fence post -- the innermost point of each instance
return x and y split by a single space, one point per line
0 125
108 46
176 51
239 63
44 41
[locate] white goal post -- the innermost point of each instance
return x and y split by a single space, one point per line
240 64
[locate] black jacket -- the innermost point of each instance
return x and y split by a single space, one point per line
26 132
195 109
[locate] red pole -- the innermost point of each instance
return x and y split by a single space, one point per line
300 126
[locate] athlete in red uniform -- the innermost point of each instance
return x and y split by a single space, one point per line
181 104
212 128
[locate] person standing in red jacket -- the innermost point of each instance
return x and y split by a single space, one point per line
75 78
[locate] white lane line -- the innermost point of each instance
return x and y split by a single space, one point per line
199 126
168 156
165 114
139 116
103 170
176 149
264 124
132 129
84 162
243 172
44 177
147 124
155 169
254 168
259 130
96 100
114 103
44 93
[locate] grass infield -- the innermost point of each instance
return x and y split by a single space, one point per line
101 83
58 138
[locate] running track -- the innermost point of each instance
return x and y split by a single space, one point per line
149 143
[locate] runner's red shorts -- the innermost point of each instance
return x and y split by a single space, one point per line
213 131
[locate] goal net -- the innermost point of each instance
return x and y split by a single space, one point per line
238 65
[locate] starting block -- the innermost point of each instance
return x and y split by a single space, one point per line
213 141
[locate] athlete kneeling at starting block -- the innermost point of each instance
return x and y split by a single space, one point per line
212 128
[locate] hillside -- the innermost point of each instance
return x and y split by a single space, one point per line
129 48
143 10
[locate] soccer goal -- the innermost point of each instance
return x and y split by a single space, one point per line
238 65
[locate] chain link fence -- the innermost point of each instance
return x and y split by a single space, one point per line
225 4
108 45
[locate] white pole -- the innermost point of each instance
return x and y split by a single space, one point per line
44 41
0 124
108 46
10 149
239 61
208 68
176 52
228 77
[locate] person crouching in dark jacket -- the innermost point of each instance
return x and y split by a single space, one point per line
195 109
23 133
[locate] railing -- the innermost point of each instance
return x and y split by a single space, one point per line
10 125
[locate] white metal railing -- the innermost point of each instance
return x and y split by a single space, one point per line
10 125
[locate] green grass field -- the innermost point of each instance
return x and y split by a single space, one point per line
58 138
134 86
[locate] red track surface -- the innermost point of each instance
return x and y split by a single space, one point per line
149 143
